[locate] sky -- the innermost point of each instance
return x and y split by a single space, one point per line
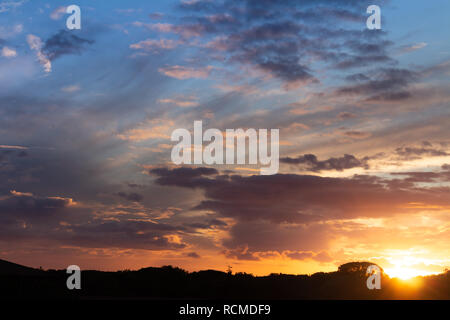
86 118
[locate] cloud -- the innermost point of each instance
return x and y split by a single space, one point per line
156 15
6 6
63 43
151 129
193 255
180 102
241 253
184 31
182 73
12 147
322 256
8 52
25 217
355 134
294 198
253 240
71 88
155 45
302 216
10 31
58 13
23 205
346 115
311 162
132 196
128 11
35 44
180 176
412 47
409 179
284 39
411 153
387 84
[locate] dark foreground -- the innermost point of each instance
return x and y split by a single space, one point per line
349 282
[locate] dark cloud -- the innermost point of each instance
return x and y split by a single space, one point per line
26 206
300 198
311 163
64 42
387 84
156 16
183 176
410 179
194 255
355 61
411 153
132 196
206 224
240 254
355 134
346 115
322 256
255 239
282 38
357 77
286 211
134 185
26 217
146 235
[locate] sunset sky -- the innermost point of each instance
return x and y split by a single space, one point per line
86 117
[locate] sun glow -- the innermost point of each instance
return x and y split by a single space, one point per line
408 267
405 273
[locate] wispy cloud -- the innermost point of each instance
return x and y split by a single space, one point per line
180 101
8 52
180 72
71 88
10 31
6 6
58 13
412 47
155 45
35 44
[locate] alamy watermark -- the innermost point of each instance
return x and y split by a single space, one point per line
235 150
374 20
374 279
74 280
74 20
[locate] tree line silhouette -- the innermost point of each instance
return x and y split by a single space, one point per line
348 282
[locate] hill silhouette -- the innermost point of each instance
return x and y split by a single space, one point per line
14 269
348 282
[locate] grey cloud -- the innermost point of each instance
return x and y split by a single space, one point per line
132 196
322 256
194 255
27 206
283 37
26 217
63 43
301 198
410 153
311 162
382 85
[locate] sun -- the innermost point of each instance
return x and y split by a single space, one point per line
404 269
405 273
